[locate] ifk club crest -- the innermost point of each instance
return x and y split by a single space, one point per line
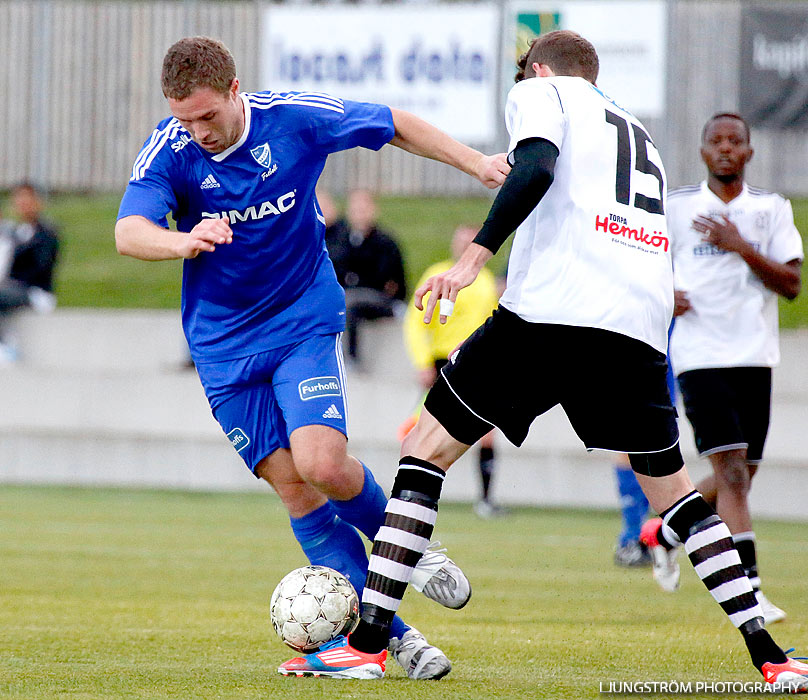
263 156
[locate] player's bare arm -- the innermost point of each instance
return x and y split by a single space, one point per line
139 238
782 278
416 136
681 302
447 284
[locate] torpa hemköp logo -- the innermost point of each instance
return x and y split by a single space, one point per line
262 155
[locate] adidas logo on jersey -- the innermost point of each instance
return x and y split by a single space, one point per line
332 412
209 183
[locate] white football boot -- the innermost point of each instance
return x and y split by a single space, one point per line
665 567
771 613
440 579
419 659
664 562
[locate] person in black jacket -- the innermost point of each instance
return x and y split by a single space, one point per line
37 241
369 267
28 254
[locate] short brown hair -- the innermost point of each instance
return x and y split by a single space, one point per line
566 52
197 62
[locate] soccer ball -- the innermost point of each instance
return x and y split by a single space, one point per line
311 606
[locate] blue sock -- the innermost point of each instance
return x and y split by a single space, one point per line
364 511
633 505
329 541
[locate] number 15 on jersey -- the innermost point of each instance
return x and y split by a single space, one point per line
624 171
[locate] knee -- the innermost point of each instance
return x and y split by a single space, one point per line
325 470
736 478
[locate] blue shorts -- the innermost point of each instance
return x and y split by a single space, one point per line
261 399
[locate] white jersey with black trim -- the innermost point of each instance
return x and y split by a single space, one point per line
733 320
595 251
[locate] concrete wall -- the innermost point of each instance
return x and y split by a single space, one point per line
100 397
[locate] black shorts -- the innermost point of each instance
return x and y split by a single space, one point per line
729 408
613 388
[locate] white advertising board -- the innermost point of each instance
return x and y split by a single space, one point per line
629 35
439 62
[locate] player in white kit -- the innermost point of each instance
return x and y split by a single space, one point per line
583 323
735 250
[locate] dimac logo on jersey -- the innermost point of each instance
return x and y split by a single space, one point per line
257 211
618 226
319 386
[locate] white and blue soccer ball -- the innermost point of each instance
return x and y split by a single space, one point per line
311 606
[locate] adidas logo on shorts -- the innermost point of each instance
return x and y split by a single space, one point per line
332 412
209 183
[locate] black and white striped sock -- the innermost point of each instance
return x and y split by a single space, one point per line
708 543
399 545
709 546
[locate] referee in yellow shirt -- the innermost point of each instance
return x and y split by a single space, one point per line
430 345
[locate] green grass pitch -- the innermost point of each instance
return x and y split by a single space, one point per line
150 594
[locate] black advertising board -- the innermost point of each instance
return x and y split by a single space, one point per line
774 66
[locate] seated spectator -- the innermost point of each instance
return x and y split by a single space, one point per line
28 254
369 267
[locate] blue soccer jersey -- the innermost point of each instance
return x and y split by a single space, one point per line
274 284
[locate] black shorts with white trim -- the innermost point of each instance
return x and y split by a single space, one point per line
729 408
613 388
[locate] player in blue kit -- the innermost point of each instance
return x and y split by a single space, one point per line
261 306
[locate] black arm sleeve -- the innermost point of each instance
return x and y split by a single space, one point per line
531 176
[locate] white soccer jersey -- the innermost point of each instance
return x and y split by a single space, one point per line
733 322
595 251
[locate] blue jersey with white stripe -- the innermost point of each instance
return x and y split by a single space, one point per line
274 284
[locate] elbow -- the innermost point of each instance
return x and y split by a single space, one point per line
122 244
792 291
398 119
790 288
547 178
793 283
